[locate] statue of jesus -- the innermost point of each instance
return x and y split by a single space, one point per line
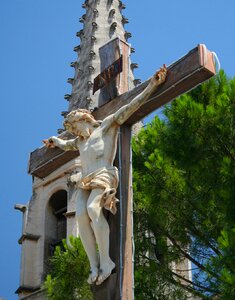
97 143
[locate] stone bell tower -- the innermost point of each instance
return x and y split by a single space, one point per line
50 214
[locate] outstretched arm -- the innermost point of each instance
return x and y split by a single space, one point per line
127 110
65 145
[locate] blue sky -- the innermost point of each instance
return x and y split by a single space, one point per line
37 40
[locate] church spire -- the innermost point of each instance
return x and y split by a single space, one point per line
102 21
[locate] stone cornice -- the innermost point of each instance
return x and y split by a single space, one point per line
70 214
28 236
27 289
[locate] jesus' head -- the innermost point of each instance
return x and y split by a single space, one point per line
80 122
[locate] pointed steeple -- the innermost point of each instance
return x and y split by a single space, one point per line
102 22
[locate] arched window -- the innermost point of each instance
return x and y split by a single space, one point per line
55 224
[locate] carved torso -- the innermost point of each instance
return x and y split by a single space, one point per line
99 149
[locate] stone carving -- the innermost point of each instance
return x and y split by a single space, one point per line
97 143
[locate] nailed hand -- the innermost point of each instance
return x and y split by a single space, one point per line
49 143
160 76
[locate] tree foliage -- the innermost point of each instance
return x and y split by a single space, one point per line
69 272
184 191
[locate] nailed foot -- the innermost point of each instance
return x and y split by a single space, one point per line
105 271
93 276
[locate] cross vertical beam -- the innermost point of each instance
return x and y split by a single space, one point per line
126 222
120 284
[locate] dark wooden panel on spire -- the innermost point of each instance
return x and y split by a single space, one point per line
107 75
115 52
186 73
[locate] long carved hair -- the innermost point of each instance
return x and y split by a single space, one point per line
81 114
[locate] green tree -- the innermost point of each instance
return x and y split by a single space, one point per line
184 191
69 273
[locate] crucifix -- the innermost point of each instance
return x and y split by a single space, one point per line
96 138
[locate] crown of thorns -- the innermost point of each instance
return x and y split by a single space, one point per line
81 114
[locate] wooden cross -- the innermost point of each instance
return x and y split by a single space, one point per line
183 75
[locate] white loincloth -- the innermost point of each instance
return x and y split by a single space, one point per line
104 178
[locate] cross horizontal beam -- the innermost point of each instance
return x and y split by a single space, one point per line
183 75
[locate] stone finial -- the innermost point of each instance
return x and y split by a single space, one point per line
89 84
112 13
95 12
20 207
92 54
137 82
121 5
94 25
64 113
60 130
113 27
91 69
127 35
134 66
67 97
93 39
124 20
80 33
82 19
70 80
77 48
73 64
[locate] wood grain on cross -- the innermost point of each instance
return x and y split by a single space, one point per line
186 73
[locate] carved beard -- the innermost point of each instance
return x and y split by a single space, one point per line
83 129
